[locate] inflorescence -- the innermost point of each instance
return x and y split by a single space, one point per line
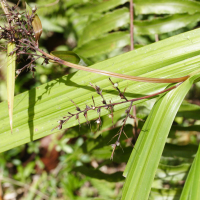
19 30
108 106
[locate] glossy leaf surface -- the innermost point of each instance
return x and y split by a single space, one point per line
37 111
144 160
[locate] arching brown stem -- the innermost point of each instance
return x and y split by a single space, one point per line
112 74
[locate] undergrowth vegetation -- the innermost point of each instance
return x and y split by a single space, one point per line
97 113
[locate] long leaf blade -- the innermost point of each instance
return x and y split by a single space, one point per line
166 6
144 160
106 23
192 185
164 24
37 111
11 66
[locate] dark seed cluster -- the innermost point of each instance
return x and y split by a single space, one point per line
19 30
109 106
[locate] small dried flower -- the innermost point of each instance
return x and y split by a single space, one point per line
116 85
98 121
18 71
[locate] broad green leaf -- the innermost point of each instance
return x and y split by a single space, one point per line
145 157
104 44
92 8
106 23
189 111
158 194
11 66
192 184
184 151
72 57
166 6
95 173
105 189
37 111
73 2
171 170
28 9
186 128
3 90
169 173
195 185
67 56
164 24
79 23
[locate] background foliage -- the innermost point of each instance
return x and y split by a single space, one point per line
76 162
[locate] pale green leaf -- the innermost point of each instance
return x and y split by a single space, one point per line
168 194
92 8
166 6
106 23
37 111
164 24
104 44
145 157
191 188
11 66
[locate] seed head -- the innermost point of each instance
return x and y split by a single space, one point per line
116 85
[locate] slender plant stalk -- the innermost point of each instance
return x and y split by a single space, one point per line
112 74
135 123
131 25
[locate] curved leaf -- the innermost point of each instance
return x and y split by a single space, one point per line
72 57
192 185
158 194
166 6
145 157
11 66
164 24
69 56
36 23
37 111
107 43
106 23
91 8
95 173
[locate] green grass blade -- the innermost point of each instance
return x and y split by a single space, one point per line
195 186
11 66
192 184
164 24
106 23
161 194
103 6
145 157
37 111
108 43
166 6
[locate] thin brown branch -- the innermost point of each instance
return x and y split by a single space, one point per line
156 37
135 123
131 25
117 143
132 47
110 105
112 74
